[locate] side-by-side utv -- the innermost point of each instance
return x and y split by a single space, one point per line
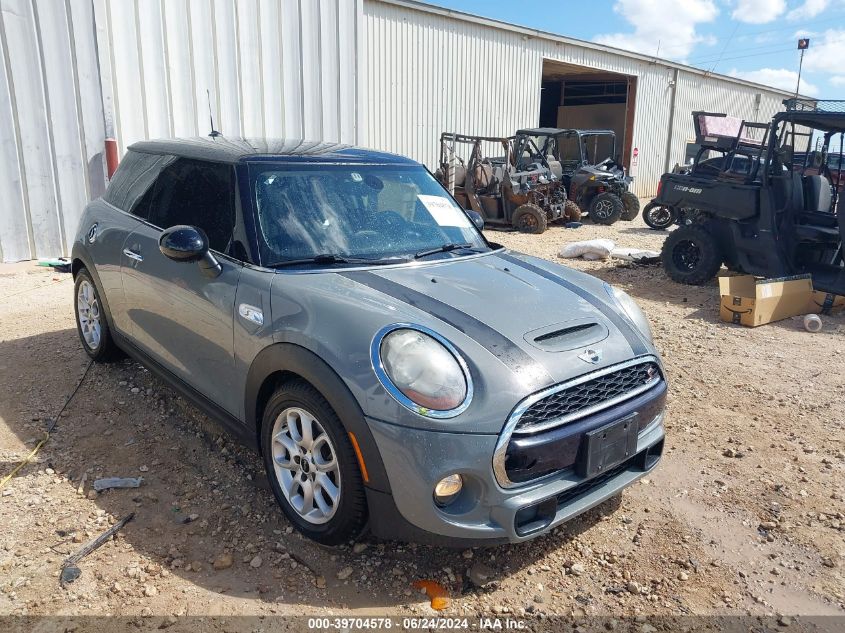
587 164
758 210
528 198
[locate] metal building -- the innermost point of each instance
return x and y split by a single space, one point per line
389 74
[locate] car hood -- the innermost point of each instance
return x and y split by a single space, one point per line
537 318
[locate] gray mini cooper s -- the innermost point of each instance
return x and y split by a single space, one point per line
337 310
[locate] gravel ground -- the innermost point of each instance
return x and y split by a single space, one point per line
745 514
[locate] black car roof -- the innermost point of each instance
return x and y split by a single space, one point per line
233 150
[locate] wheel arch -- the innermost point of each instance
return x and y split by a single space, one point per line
80 260
288 361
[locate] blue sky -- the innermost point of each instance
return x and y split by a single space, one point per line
752 39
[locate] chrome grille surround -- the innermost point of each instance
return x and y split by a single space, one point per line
510 428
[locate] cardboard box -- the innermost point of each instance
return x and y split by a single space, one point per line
825 303
752 302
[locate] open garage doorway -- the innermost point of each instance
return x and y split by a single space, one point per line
586 98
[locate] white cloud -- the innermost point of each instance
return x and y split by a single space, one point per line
776 77
758 11
810 9
826 52
837 81
674 29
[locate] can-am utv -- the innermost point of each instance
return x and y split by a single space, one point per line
527 197
772 217
586 162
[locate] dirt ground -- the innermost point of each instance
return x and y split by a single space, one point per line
745 514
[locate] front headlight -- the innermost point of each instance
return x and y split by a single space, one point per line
422 370
630 308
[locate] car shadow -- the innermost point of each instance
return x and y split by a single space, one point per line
203 495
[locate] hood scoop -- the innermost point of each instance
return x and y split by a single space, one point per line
562 337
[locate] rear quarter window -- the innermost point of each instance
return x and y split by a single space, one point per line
134 178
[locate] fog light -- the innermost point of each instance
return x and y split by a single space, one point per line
447 489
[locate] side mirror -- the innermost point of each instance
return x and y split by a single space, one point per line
183 243
476 218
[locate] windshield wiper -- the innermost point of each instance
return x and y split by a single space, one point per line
333 258
443 249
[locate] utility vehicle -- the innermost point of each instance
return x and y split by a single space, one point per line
527 196
587 164
771 217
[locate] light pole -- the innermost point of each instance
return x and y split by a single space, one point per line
803 45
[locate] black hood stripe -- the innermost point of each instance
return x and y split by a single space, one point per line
620 322
519 361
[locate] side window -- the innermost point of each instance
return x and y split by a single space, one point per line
133 179
197 193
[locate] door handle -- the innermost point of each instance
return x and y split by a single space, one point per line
133 255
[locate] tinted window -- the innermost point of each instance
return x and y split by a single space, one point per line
137 171
199 194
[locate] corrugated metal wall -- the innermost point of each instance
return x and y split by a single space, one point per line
267 67
430 71
51 117
390 74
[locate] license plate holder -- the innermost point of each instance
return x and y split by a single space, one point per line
608 446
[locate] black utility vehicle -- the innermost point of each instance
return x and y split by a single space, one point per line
587 164
754 209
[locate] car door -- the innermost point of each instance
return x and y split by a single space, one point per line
178 315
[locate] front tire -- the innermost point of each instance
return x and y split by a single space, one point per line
606 208
529 218
691 255
631 204
311 465
91 323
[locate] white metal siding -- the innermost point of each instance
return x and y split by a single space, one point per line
429 72
267 67
52 121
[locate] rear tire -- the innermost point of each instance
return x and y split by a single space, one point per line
631 204
91 322
529 218
606 208
323 494
691 255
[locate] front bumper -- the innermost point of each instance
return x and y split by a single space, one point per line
484 512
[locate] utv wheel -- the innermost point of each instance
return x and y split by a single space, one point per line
631 204
529 218
691 255
658 217
311 465
606 208
91 323
572 211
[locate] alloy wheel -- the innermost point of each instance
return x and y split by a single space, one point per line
88 308
686 255
604 209
306 466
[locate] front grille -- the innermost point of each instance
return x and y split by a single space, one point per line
591 393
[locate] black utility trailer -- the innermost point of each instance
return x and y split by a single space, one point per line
756 209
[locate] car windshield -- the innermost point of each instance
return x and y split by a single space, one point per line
342 214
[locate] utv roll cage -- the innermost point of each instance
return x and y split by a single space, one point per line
781 215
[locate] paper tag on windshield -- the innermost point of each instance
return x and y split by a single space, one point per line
444 212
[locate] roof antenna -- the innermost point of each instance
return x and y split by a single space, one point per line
214 133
